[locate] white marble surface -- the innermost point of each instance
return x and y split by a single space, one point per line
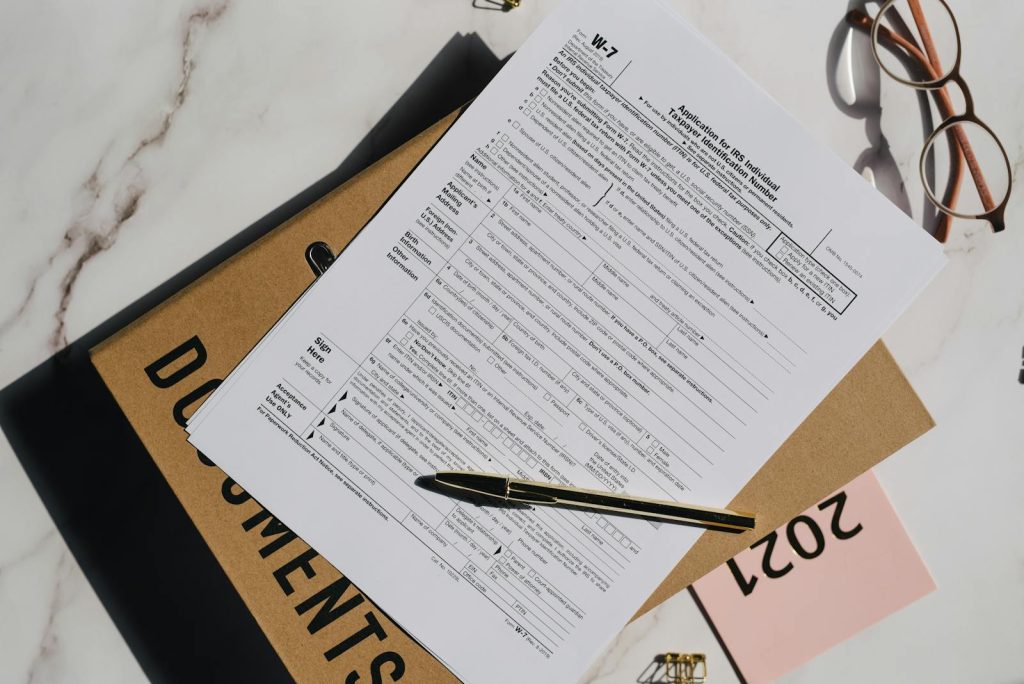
132 128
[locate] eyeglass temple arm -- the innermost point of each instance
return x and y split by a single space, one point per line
926 35
955 149
861 20
933 58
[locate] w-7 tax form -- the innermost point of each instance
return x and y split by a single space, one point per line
624 267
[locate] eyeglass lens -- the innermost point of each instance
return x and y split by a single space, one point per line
984 158
928 26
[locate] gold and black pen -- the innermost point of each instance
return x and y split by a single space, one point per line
544 493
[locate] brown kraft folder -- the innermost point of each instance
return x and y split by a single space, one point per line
161 367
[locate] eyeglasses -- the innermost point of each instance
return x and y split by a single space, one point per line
914 54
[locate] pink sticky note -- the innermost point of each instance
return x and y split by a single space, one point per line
832 571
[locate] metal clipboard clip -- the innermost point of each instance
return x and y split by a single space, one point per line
319 257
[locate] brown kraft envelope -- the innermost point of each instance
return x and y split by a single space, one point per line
161 367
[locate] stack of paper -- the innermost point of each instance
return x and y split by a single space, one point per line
624 267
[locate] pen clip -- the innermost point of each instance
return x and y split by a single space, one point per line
517 493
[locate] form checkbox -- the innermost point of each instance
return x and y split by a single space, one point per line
498 146
433 310
477 416
504 138
496 432
547 397
490 360
507 443
515 124
488 426
531 461
583 426
462 403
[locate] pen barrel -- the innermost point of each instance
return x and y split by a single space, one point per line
627 505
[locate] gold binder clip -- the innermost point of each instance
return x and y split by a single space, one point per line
502 5
677 668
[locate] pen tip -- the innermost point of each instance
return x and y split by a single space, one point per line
426 481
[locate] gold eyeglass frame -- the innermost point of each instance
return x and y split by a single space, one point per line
995 214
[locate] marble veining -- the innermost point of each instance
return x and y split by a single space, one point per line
110 196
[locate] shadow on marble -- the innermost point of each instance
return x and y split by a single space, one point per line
152 571
854 84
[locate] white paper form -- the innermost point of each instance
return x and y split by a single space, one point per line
624 267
